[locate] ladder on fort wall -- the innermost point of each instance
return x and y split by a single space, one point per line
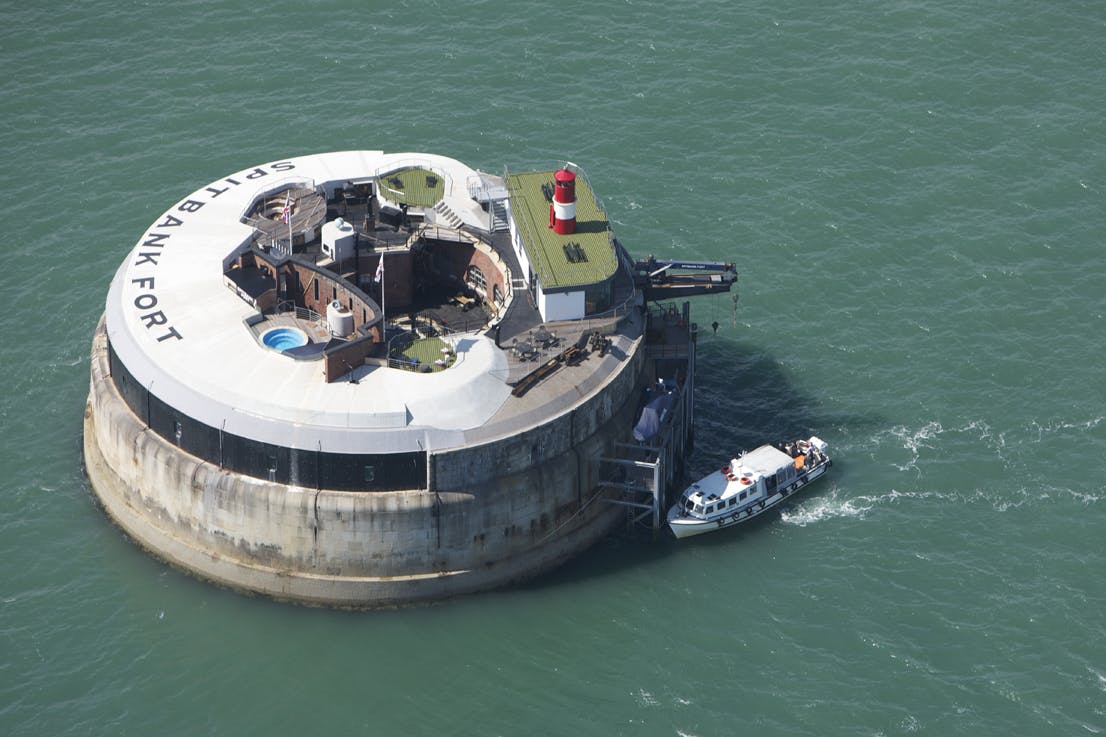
643 473
637 471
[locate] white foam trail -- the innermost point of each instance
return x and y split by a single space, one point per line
823 508
831 506
1101 679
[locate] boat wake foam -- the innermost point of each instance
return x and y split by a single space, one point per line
832 506
823 508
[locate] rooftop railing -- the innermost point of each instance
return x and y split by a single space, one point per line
301 313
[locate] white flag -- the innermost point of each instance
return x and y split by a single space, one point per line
379 270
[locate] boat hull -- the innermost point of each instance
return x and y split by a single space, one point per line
690 526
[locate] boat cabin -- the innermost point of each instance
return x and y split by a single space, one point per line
752 478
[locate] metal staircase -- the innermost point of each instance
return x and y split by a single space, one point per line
498 209
447 216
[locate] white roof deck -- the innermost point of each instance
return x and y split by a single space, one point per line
180 332
763 461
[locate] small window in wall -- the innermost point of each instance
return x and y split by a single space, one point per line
474 277
316 285
497 294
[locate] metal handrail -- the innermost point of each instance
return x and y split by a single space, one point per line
477 186
275 186
301 313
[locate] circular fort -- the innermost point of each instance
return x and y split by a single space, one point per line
363 379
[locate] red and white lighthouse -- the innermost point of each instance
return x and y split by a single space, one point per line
562 213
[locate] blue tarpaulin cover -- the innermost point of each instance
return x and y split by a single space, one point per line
652 415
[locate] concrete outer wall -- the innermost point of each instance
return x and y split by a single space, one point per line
370 548
531 489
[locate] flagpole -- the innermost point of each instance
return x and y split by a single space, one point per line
286 216
383 312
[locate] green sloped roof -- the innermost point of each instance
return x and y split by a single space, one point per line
546 248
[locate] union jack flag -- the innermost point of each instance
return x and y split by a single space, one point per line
286 213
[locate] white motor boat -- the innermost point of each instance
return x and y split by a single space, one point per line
748 486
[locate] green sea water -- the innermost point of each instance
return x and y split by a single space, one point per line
914 195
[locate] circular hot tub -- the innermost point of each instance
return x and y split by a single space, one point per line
282 339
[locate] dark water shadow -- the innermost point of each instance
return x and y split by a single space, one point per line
745 398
